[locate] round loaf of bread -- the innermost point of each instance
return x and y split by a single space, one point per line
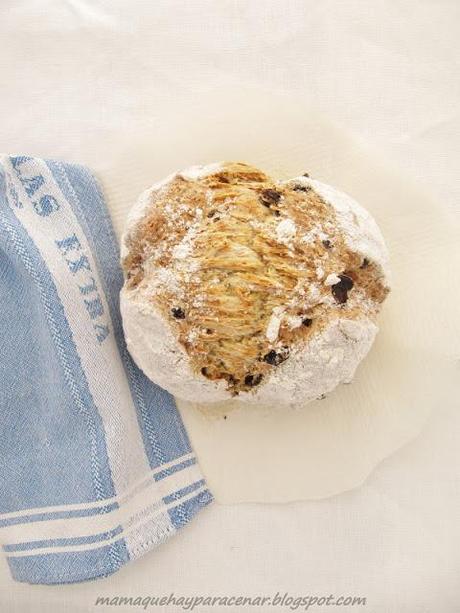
237 284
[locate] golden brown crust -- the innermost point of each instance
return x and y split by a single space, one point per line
254 248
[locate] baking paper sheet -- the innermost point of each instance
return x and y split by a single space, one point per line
274 454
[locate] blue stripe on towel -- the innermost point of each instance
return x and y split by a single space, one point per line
35 517
169 471
62 542
182 514
68 567
183 492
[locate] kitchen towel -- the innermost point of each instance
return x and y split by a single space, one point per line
95 465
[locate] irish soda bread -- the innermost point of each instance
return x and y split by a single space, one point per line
237 284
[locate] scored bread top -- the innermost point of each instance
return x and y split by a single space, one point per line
246 269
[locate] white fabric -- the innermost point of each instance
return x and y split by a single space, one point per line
80 79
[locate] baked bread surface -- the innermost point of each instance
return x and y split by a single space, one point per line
247 274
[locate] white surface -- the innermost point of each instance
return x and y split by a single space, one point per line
78 78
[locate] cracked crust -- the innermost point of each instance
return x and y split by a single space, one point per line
249 274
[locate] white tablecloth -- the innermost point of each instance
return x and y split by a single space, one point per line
76 75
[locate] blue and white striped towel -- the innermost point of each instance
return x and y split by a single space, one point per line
96 467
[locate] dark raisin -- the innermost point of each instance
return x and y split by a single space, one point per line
276 357
365 263
252 380
270 357
327 243
340 294
209 331
305 174
346 281
211 213
307 322
225 417
204 371
301 188
269 196
178 313
340 290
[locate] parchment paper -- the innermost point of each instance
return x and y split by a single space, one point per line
276 454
